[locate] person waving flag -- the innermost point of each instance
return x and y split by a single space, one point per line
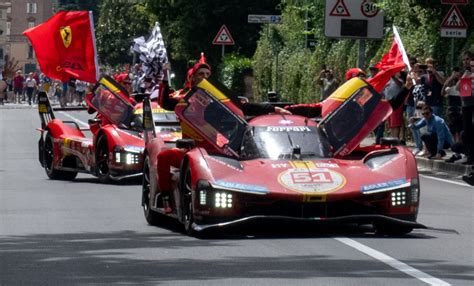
65 46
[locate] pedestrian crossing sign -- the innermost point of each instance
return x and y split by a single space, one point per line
454 19
453 24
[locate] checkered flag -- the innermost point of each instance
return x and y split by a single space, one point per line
152 52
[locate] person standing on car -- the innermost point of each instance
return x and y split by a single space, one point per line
168 100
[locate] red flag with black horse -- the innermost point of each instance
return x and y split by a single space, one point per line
65 46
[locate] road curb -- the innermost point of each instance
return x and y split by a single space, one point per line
441 166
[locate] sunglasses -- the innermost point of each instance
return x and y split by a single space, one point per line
426 113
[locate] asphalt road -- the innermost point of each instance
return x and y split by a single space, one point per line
84 232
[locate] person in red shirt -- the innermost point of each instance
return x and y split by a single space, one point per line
18 85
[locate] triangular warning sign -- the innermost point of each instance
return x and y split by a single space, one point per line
454 19
340 9
223 37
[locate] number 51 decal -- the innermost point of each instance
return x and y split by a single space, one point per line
311 177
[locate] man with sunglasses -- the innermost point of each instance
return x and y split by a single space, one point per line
438 137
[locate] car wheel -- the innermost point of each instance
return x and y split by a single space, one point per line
150 216
102 160
391 229
188 208
48 158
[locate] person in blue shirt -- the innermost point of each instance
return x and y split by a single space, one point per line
438 137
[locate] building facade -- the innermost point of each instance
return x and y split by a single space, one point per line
17 16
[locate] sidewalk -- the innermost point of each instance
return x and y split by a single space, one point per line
454 169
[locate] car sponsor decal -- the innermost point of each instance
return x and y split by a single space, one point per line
384 186
288 129
243 187
154 110
312 180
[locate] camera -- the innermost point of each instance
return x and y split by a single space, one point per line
423 67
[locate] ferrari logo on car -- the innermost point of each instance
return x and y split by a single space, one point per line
66 35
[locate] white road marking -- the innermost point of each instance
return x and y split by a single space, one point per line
392 262
75 119
446 181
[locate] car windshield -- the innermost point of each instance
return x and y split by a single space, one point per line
284 142
215 120
112 106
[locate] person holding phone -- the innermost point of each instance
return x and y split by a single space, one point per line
465 86
328 82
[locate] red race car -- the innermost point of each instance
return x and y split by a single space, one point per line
113 149
284 167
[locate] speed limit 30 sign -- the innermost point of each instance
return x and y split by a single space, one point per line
368 8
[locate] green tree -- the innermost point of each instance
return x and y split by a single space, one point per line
119 23
419 26
189 27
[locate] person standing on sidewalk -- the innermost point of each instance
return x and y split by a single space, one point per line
3 89
31 85
466 90
18 85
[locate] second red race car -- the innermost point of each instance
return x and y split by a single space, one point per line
112 147
284 167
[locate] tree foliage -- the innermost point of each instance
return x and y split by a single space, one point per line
419 26
189 27
232 71
119 23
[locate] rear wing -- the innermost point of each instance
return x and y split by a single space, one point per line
148 123
45 110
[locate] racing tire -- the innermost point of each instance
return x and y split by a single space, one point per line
187 200
391 229
153 218
48 157
102 159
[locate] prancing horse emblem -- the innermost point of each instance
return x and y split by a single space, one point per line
66 35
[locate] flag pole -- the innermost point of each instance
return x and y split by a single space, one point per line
402 50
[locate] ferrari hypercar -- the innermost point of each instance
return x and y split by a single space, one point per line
112 147
283 167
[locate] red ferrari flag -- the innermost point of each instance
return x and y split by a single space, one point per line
65 46
392 62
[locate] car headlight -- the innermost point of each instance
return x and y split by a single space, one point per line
223 200
399 198
127 155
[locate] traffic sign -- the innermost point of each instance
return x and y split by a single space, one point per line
340 9
265 19
357 19
454 19
453 24
369 8
460 2
223 37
